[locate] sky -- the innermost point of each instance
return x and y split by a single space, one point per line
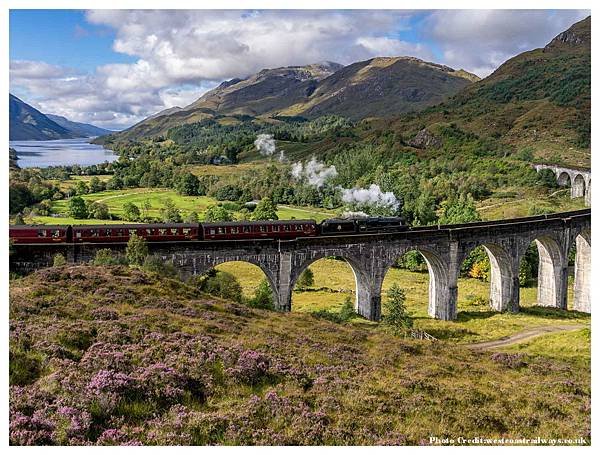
113 68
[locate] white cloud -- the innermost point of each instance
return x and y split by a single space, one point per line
180 54
481 40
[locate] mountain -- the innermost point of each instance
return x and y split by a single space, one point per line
375 87
27 123
81 129
538 100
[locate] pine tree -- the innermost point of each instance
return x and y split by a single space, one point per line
396 317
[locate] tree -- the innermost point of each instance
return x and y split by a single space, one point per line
81 188
424 212
77 208
96 185
187 184
547 178
306 279
170 213
192 217
461 210
146 206
131 212
217 213
156 264
59 260
136 250
266 209
99 211
19 219
396 317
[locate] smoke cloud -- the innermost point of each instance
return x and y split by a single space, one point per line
372 196
314 172
265 144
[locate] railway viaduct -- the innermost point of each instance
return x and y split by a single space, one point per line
580 180
371 256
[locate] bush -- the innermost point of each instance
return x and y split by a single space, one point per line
24 367
217 213
345 314
105 257
263 297
306 279
131 212
157 265
137 250
481 270
59 260
396 318
99 211
220 284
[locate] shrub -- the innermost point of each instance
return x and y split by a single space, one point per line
263 297
306 279
105 257
157 265
220 284
480 270
137 250
396 317
98 210
59 260
217 213
345 314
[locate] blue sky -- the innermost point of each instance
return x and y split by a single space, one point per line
115 67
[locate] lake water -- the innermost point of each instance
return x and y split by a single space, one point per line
61 152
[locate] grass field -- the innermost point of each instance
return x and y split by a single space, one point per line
116 199
334 282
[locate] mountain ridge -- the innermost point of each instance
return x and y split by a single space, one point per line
27 123
374 87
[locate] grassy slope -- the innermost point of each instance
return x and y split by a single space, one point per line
348 384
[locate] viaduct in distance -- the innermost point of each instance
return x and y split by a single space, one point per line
371 255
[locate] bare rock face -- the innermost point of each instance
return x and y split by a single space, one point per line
424 140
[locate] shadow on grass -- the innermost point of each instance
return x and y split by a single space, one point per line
464 316
553 313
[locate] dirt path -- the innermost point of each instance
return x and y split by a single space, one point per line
525 335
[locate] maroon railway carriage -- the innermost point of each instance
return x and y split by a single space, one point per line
39 234
288 229
122 232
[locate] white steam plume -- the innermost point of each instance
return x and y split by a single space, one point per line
265 144
315 172
371 196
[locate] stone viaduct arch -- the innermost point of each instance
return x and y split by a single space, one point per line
371 256
579 180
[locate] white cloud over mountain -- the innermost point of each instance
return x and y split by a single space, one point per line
180 54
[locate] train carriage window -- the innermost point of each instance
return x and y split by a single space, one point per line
221 230
94 232
78 234
42 233
286 227
162 231
234 230
275 228
263 228
132 232
108 232
246 229
119 232
212 232
173 231
186 231
149 231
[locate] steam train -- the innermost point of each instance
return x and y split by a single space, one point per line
237 230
